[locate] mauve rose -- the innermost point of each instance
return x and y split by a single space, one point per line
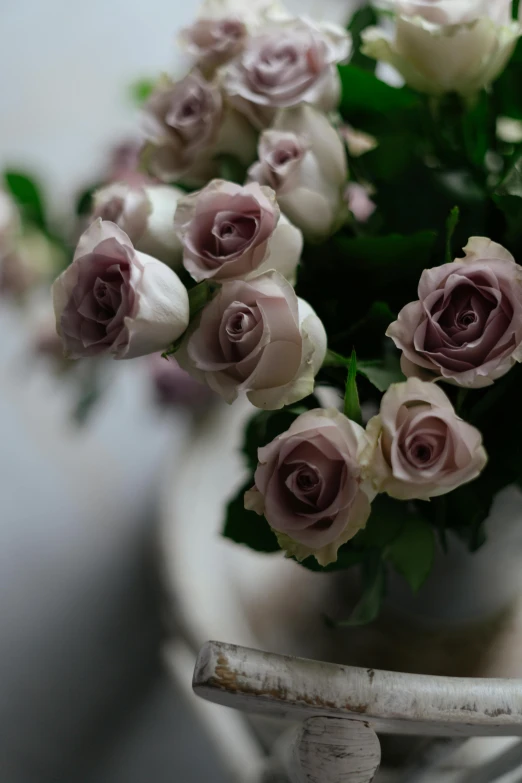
303 158
442 46
257 337
146 214
232 231
309 485
213 42
466 327
285 64
187 125
113 299
419 447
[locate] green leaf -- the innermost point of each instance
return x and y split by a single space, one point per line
362 91
382 373
385 524
363 18
374 584
388 259
247 527
451 225
141 90
84 201
352 407
199 296
231 169
28 196
412 552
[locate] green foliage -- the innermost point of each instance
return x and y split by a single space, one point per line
247 527
451 225
231 168
412 552
352 406
363 18
364 92
141 90
373 591
27 194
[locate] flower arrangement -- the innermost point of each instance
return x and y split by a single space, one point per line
300 228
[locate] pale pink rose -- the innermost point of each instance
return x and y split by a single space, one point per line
113 299
187 125
231 231
309 485
466 327
215 41
359 202
285 64
146 214
256 337
419 447
303 159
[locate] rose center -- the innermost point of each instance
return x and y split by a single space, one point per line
307 479
467 319
238 325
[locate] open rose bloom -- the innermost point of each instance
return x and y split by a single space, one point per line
290 238
310 487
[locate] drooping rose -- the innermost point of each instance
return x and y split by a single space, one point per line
256 337
302 158
187 125
231 231
442 46
466 327
285 64
419 447
146 214
309 484
113 299
215 41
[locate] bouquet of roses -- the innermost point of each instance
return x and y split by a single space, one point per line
301 232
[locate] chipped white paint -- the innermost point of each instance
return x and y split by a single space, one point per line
294 688
334 750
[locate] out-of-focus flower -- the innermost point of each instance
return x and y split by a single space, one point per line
284 64
358 142
30 259
419 447
359 202
9 220
303 159
466 327
113 299
125 164
256 337
187 125
213 42
145 214
309 485
231 231
442 46
175 388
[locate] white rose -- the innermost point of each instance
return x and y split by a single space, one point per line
115 300
146 214
303 159
447 45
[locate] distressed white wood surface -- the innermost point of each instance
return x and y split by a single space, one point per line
334 750
295 688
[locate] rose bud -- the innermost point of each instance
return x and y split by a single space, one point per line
215 41
309 485
442 46
231 231
146 214
257 337
124 164
187 125
114 299
304 160
287 63
359 202
420 448
466 327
